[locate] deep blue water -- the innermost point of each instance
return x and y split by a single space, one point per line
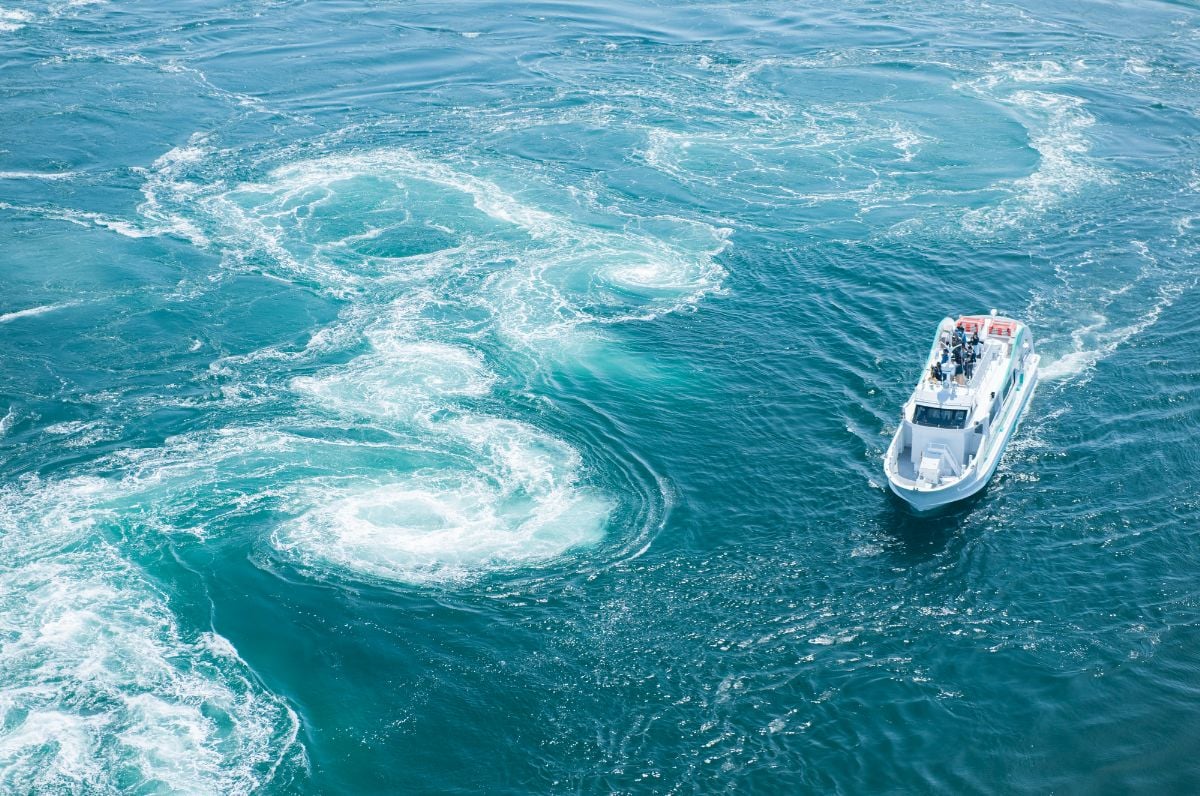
484 397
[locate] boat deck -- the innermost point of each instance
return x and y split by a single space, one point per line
995 354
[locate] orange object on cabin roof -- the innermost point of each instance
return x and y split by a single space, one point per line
974 323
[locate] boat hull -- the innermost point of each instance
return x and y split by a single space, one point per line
929 498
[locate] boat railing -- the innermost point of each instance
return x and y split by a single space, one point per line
980 368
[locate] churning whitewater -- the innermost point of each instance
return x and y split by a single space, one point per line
430 260
493 398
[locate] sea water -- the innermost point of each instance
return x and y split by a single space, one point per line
490 397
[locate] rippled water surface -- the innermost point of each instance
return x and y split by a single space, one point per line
489 397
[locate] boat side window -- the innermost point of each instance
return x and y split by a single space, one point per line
1008 385
939 418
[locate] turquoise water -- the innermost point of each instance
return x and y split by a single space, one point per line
477 397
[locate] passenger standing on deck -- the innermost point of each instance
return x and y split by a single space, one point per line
956 354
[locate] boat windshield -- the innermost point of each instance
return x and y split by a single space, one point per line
940 418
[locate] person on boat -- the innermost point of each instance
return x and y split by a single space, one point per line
935 373
956 355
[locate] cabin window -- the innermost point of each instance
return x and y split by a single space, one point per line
939 418
1008 386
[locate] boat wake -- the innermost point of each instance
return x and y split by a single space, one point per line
1080 316
1096 341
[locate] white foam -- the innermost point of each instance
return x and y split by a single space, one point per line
70 427
1025 72
784 158
665 274
907 141
99 679
12 19
85 219
1138 66
487 196
521 507
400 381
471 495
81 434
1057 125
1103 300
166 191
539 288
38 175
8 317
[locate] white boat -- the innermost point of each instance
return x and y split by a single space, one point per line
958 421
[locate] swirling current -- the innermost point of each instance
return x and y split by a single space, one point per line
479 397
